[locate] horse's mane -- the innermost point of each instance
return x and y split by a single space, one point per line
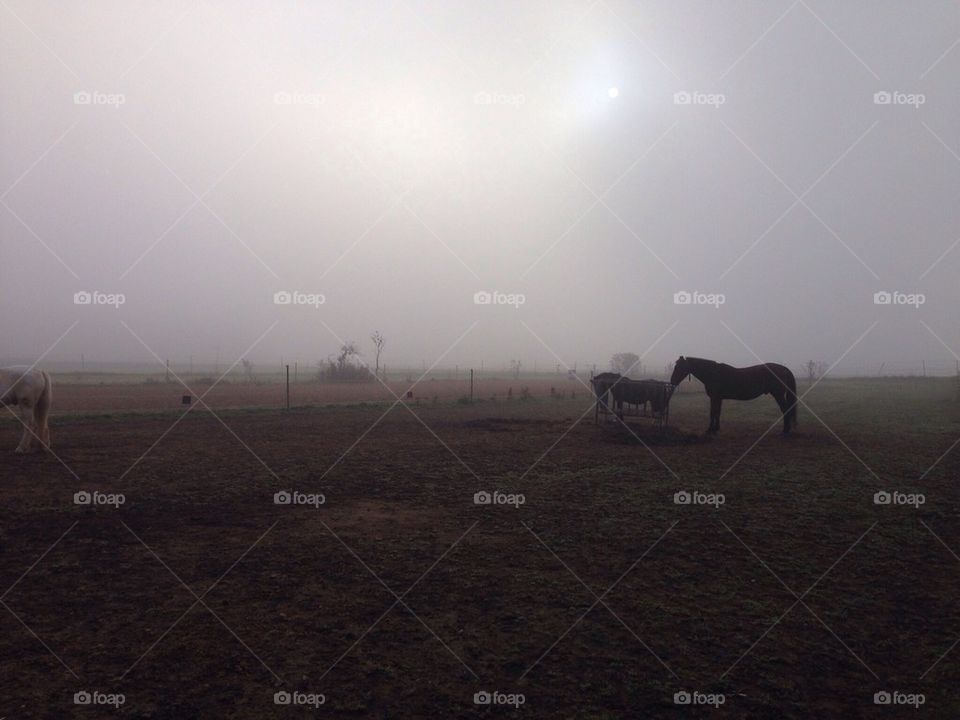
701 361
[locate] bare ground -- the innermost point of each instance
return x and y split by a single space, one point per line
399 597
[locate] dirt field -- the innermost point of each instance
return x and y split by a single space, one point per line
598 597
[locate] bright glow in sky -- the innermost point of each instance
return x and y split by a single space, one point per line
399 157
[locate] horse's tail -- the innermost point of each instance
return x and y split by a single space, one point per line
42 410
792 400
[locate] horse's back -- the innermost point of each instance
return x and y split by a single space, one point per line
637 391
20 382
782 373
767 378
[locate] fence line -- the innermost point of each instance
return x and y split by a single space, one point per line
307 370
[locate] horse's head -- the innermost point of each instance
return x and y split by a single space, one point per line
680 371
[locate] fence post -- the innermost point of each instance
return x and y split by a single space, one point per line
471 384
288 387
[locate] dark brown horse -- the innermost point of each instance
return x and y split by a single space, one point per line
640 392
723 382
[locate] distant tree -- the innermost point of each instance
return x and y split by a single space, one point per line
345 366
348 352
378 341
516 365
247 369
624 362
814 369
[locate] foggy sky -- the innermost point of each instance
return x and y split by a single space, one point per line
398 157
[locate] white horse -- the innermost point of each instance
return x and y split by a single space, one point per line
31 390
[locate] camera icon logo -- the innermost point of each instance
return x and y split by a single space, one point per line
882 498
282 698
82 298
482 98
682 298
482 698
682 498
282 498
482 297
882 297
882 698
82 698
682 98
882 98
82 98
482 498
282 298
282 98
82 498
681 698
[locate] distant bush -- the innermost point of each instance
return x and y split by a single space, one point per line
343 372
344 367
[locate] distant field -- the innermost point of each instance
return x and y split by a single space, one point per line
109 393
501 598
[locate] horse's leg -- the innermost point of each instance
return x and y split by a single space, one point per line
26 440
781 399
41 441
715 403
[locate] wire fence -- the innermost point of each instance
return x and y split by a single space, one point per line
310 370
